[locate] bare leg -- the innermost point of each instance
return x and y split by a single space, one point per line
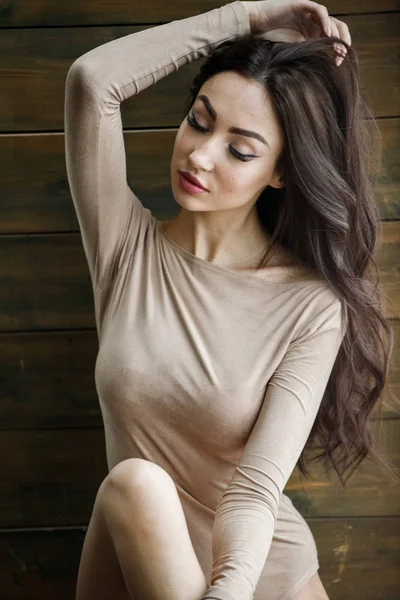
137 545
313 590
100 574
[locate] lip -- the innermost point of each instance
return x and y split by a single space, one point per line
193 180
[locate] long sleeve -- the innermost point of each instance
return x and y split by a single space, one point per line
246 514
110 215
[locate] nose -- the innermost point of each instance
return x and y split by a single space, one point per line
202 156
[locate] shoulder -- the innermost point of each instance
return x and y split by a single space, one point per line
327 309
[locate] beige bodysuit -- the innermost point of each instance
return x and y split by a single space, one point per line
216 375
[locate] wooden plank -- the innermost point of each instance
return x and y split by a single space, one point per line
369 491
359 559
392 390
59 296
387 185
34 186
47 380
51 478
44 13
387 259
35 191
40 564
34 64
370 35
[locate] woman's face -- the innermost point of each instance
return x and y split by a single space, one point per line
234 168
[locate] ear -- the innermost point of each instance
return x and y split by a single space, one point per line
277 180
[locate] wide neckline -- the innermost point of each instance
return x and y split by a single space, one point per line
276 273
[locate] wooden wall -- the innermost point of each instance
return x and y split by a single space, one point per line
51 433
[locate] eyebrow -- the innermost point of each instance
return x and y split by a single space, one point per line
211 111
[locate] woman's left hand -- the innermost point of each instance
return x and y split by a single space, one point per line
295 21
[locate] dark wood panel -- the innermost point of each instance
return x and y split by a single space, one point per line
46 284
47 380
34 65
387 184
40 564
387 259
34 189
41 13
56 293
359 560
392 394
50 473
369 491
51 478
35 194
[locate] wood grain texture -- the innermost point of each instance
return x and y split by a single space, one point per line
359 560
45 13
369 491
59 296
34 66
51 477
51 434
359 557
47 380
35 192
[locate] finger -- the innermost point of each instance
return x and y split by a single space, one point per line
339 51
337 31
309 27
320 11
334 30
344 32
313 26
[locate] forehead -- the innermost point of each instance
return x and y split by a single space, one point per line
235 97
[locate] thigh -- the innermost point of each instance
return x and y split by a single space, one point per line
99 574
148 527
292 560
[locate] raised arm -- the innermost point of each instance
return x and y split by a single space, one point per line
246 514
110 215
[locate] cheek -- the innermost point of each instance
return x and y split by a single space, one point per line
231 180
242 179
181 143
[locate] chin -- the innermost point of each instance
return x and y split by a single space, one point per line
191 204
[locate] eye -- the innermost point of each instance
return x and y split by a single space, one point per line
243 157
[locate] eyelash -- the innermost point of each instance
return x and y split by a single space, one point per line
243 157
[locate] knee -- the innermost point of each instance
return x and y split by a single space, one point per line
135 475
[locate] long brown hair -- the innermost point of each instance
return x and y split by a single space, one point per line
328 217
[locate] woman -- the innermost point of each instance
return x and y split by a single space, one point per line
227 335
